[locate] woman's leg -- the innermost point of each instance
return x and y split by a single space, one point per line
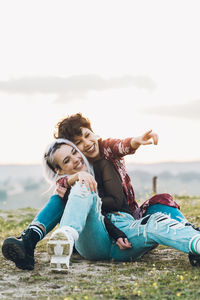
83 213
21 250
50 215
152 230
173 212
83 224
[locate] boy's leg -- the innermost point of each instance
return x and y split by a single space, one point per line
82 218
152 230
21 250
133 230
173 212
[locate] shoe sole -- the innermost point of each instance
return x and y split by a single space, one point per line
58 251
64 248
12 251
58 264
15 252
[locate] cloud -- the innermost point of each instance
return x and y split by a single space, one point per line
74 86
189 110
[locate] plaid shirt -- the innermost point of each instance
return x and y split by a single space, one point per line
114 150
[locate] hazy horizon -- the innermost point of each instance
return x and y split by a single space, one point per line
24 185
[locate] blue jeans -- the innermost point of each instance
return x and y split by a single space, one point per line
51 214
173 212
83 214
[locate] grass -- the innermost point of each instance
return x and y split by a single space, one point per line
163 273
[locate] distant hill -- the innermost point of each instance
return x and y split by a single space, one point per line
20 171
24 171
23 185
171 167
181 178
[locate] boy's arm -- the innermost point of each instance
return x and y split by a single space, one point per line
118 235
113 231
116 148
147 138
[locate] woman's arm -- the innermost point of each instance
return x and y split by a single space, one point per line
66 182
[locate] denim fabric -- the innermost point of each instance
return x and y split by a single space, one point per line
82 213
50 215
173 212
146 233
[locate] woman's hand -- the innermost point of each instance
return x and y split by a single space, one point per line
88 180
123 244
82 177
147 138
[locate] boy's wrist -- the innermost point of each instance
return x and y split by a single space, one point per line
135 144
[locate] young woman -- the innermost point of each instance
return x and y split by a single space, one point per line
62 158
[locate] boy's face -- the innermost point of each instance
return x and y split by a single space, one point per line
87 143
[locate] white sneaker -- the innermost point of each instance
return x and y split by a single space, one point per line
60 248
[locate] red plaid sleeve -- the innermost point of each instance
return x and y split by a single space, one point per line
63 182
116 148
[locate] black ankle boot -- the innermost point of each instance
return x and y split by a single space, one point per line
21 250
194 259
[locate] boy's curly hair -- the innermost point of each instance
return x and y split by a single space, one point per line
70 126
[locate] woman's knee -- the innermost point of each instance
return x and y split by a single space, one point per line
79 193
79 189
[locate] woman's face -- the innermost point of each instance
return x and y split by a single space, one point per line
69 160
87 143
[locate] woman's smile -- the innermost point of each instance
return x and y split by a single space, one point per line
69 160
79 165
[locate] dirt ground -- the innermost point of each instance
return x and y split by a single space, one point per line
82 278
41 282
163 273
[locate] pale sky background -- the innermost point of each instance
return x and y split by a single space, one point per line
129 66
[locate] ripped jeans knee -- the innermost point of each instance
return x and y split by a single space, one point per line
159 227
160 221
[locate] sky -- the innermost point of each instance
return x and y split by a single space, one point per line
129 66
